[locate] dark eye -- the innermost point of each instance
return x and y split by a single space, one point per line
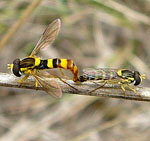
137 78
16 67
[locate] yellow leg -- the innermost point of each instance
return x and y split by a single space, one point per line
23 79
131 88
123 88
103 81
34 72
30 72
62 73
36 83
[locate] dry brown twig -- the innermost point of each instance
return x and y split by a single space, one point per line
109 90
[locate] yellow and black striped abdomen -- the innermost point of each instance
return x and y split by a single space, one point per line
50 64
60 63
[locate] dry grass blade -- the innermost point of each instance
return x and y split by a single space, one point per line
133 15
14 28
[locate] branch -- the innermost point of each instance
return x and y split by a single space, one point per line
109 90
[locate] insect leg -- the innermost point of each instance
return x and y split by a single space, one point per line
123 88
68 84
62 73
105 82
36 83
35 72
131 88
23 79
99 82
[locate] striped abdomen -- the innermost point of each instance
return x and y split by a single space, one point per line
60 63
99 74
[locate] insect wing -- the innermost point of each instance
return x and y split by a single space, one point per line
48 36
100 73
50 86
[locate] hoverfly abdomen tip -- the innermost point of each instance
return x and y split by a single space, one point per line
77 80
82 78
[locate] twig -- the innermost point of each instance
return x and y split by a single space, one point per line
109 90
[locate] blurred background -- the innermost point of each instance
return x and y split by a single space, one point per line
94 33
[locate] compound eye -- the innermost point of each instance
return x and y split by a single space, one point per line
16 67
137 78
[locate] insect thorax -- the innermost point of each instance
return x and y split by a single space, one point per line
129 76
22 65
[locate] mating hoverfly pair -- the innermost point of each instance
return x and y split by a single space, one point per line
32 65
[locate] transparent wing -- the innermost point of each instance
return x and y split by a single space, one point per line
48 36
50 86
101 73
96 70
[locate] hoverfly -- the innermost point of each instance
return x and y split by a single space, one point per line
31 65
113 76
